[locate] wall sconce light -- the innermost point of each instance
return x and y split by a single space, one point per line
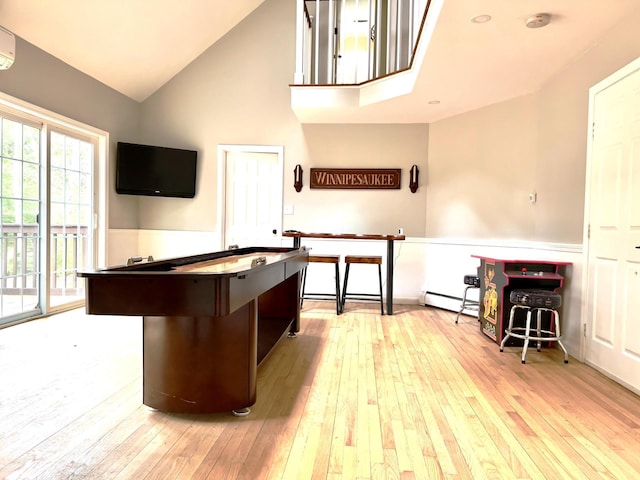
297 178
413 178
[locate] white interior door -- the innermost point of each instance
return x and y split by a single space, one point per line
613 214
253 196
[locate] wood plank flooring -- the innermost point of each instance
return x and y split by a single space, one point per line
355 396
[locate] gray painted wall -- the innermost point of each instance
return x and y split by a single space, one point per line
477 169
237 93
483 164
43 80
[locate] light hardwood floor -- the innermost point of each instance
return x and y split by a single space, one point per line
355 396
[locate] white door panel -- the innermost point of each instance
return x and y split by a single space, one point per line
604 302
613 263
253 198
630 330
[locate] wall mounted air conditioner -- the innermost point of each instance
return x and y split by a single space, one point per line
7 48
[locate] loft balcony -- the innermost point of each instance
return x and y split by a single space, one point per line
355 57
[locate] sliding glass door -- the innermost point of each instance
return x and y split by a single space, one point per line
20 234
47 228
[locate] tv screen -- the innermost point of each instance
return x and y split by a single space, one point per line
155 171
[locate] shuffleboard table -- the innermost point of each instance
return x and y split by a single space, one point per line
208 321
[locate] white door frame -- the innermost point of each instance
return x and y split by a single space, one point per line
222 180
593 92
51 120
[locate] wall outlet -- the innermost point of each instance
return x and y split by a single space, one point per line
401 231
533 197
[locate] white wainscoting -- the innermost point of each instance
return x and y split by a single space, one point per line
449 260
126 243
121 244
427 271
409 260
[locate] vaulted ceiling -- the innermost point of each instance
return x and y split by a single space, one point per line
133 46
136 46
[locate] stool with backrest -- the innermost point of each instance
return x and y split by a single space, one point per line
471 282
363 260
535 302
329 259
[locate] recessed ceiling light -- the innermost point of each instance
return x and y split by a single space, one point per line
481 19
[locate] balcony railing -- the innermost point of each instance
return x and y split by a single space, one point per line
20 258
348 42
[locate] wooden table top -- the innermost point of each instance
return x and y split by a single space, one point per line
347 236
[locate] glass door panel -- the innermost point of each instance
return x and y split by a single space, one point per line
71 216
20 202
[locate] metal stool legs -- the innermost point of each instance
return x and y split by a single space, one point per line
375 260
471 281
534 303
335 259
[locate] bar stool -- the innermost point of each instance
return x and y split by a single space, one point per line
470 281
334 259
534 301
367 260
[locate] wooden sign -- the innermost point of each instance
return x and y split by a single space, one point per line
355 178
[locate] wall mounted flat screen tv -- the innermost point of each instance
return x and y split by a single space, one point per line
155 171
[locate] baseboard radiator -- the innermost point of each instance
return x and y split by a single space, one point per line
449 302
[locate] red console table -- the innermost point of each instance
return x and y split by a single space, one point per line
498 277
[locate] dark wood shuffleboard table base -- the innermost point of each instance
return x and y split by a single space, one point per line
208 321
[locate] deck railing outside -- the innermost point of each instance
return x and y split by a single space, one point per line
20 258
347 42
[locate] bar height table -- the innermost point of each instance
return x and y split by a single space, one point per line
390 239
